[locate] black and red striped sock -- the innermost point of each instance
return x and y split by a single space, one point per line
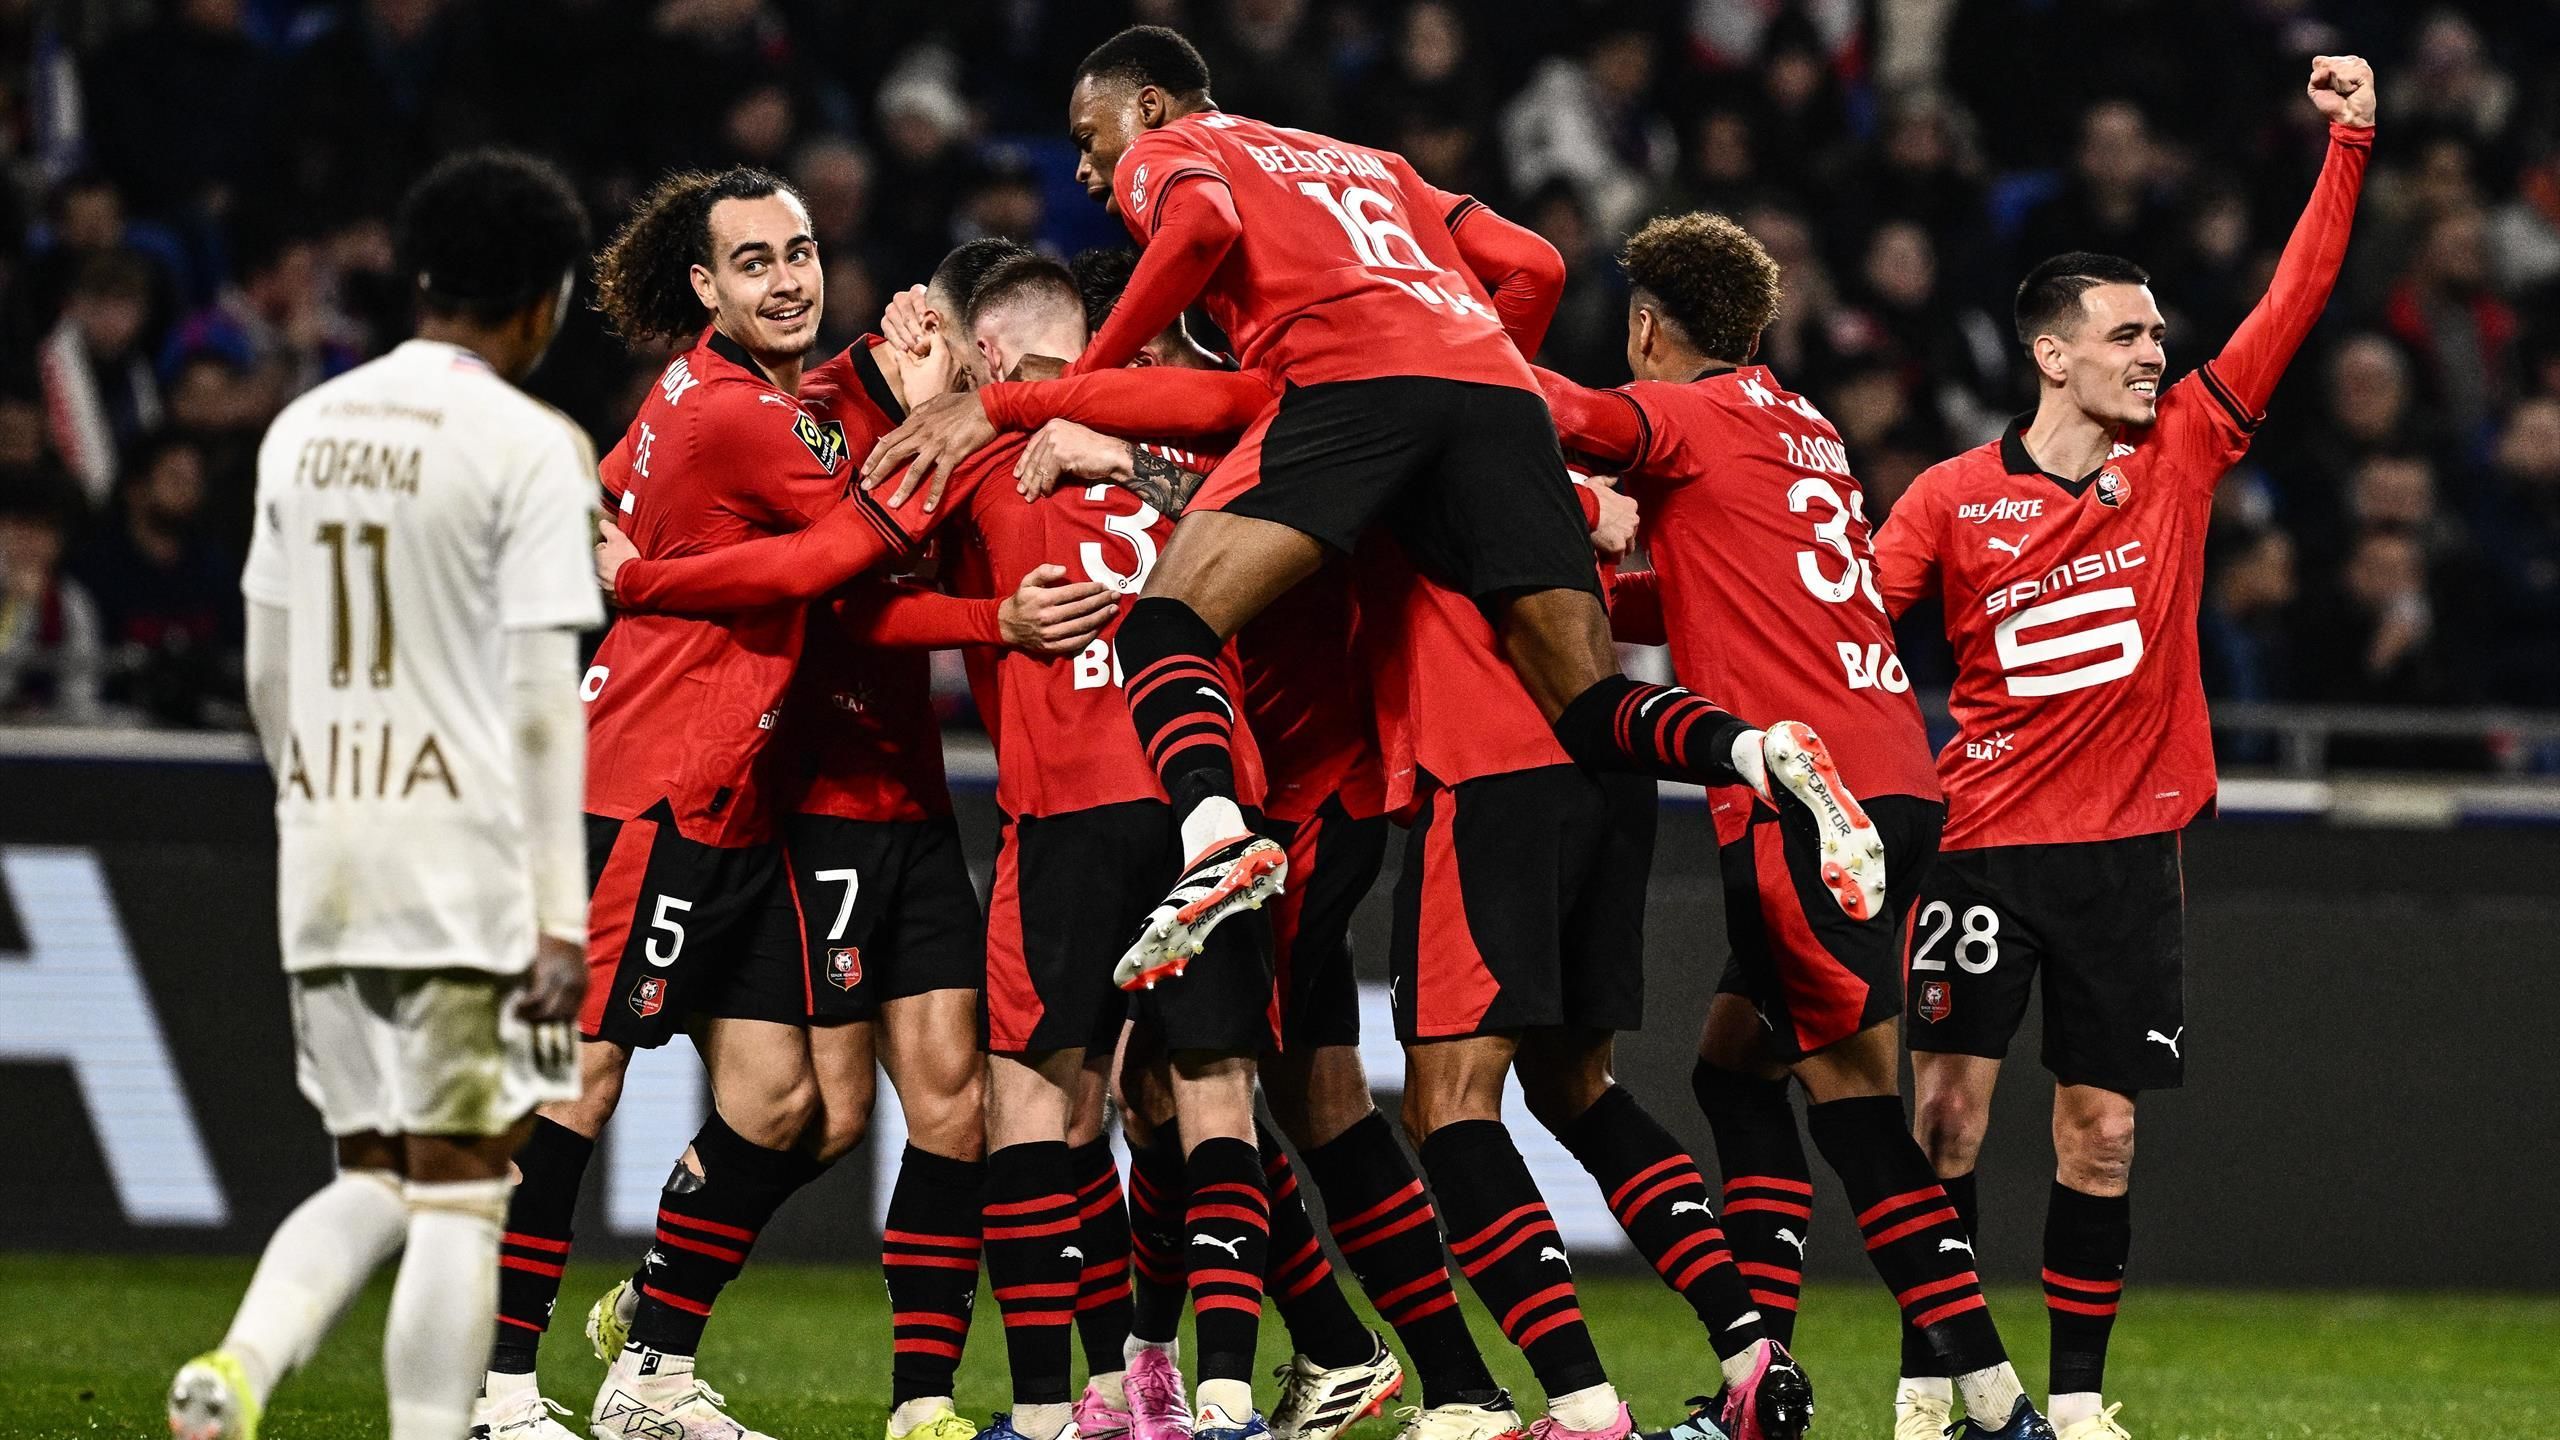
1030 1236
1102 1283
1660 730
707 1224
2087 1239
1918 1356
1390 1237
1227 1247
535 1246
1178 699
1158 1188
1913 1235
1322 1325
1768 1187
929 1254
1503 1239
1660 1199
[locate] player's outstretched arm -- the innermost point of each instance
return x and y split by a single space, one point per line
1195 229
776 570
2248 368
1603 424
1164 401
550 734
1044 616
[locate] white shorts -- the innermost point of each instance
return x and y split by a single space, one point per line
424 1052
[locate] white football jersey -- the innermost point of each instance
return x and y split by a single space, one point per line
410 513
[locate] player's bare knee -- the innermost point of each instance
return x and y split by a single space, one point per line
2093 1149
1949 1127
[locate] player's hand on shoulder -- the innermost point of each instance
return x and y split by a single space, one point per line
904 323
2342 89
1047 616
556 986
1615 533
935 437
1062 448
613 550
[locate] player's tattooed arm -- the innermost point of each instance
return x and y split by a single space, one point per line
1160 482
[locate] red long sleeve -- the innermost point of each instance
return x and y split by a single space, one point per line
1635 608
1157 400
913 617
1195 229
2249 367
1603 424
777 570
1518 268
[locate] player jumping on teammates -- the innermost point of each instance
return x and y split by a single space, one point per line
416 586
2069 555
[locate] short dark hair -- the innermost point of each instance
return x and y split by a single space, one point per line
1020 276
487 232
1711 279
1101 276
961 271
644 278
2049 298
1149 55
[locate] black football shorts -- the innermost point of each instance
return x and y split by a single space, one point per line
677 929
1469 477
1333 860
886 911
2103 922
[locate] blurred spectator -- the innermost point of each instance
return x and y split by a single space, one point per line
389 88
1587 341
220 410
2446 313
168 598
2366 408
2380 641
99 393
2244 630
88 222
1432 103
1269 61
193 97
1586 121
1954 363
2453 85
49 644
278 320
2109 204
2520 540
1925 168
923 166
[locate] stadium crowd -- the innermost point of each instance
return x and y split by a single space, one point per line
197 197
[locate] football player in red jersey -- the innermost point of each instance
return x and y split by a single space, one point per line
1757 527
1396 314
2069 556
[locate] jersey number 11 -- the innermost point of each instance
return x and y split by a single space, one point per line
376 538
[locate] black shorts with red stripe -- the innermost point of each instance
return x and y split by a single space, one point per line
1521 904
888 911
1816 976
677 929
1070 893
1333 861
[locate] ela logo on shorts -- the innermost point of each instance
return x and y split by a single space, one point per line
649 996
1937 1002
844 967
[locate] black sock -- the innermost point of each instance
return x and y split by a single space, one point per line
707 1224
1918 1356
2086 1240
1157 1189
1322 1325
1390 1237
1178 699
1768 1186
1659 730
1912 1233
1031 1228
1660 1199
1502 1237
1228 1225
1102 1286
535 1247
929 1254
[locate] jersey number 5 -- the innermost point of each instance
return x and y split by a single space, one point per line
2124 637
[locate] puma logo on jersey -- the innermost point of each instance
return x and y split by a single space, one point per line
1690 1207
2169 1040
1796 1240
2015 547
1234 1248
1949 1246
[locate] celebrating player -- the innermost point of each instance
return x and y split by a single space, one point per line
1757 527
2069 555
416 584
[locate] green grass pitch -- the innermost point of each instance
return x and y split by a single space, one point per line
802 1352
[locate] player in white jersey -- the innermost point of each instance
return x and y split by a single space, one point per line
416 585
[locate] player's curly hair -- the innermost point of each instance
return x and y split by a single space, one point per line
1710 279
2049 298
644 278
488 232
1149 55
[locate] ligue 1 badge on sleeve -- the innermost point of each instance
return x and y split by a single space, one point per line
1936 1001
844 967
2113 490
649 996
